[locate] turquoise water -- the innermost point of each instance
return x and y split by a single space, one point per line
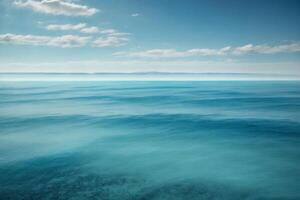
150 140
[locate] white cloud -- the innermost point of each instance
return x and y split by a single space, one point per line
267 49
155 53
113 32
109 31
65 27
57 7
92 29
110 38
63 41
135 14
242 50
110 41
36 40
83 28
118 34
171 53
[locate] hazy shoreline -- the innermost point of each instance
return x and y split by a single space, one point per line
146 76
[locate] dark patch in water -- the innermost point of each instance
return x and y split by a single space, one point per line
62 178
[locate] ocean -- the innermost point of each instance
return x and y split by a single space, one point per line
140 140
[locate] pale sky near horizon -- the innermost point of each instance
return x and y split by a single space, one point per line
233 36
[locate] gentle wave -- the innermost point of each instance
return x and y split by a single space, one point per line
150 140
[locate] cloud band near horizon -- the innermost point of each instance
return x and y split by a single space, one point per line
229 50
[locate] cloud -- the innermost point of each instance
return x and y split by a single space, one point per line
92 29
65 26
113 32
172 53
60 41
110 41
242 50
110 38
109 31
135 14
118 34
155 53
57 7
83 28
63 41
267 49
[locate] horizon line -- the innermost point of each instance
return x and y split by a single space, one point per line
156 72
145 76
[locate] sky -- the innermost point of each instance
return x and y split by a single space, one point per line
205 36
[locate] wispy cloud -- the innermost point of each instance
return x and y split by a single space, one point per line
83 28
65 27
109 31
135 14
267 49
108 38
36 40
113 32
116 34
63 41
110 41
241 50
57 7
92 29
172 53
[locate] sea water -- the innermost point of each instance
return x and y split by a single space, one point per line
150 140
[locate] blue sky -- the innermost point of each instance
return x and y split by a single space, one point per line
150 35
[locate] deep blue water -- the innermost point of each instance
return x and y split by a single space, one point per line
150 140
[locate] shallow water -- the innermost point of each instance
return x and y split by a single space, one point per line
150 140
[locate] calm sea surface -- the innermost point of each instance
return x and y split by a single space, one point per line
150 140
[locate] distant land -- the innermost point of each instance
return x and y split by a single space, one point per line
142 76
